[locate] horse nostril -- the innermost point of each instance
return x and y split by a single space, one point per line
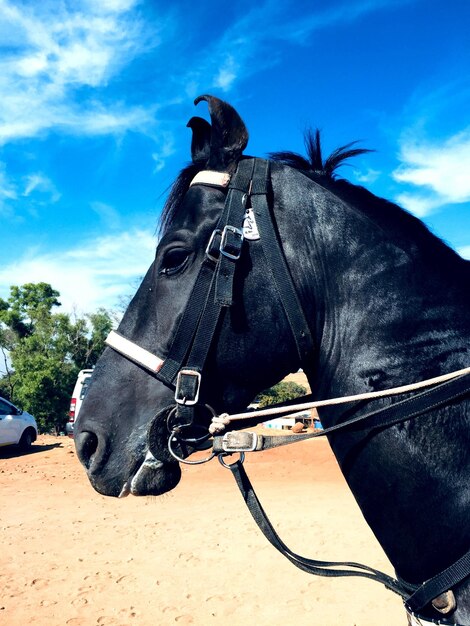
86 444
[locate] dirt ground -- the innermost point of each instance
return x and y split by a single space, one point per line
70 556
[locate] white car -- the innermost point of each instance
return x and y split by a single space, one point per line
79 392
17 427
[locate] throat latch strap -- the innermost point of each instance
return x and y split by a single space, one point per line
277 263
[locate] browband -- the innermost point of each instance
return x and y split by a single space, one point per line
210 177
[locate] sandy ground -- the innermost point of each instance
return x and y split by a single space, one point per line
72 557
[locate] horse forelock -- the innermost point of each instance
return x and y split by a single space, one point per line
176 194
178 190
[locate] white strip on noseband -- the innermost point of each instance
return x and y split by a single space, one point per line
134 352
209 177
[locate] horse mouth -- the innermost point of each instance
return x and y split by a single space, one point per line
152 478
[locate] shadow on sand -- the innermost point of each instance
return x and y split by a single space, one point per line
10 452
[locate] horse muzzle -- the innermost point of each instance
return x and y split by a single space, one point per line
153 477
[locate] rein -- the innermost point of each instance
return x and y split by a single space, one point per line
183 370
220 422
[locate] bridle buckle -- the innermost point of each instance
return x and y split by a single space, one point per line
232 241
241 441
230 246
188 384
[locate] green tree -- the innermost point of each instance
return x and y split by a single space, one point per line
26 306
285 390
46 350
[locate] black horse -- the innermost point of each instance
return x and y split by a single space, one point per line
385 302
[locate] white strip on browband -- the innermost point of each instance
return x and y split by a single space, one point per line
209 177
134 352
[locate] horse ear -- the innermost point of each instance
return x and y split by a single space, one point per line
201 141
229 135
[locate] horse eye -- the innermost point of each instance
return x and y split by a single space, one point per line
174 261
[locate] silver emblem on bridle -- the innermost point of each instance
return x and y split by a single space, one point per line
250 229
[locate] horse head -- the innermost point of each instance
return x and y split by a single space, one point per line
112 430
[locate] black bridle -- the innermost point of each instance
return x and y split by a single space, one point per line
211 296
183 371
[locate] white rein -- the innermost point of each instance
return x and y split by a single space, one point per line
221 421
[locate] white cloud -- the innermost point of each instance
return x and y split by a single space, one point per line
166 149
8 190
369 176
227 74
108 214
464 252
58 59
331 15
95 274
8 193
38 182
248 45
439 170
419 205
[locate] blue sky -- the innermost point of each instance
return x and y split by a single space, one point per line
95 96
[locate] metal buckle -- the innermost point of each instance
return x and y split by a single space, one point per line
210 246
238 233
241 441
181 395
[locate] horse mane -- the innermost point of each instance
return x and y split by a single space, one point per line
315 165
387 215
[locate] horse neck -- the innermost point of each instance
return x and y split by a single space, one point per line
387 298
387 310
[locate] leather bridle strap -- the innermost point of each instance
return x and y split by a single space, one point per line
195 334
277 264
420 595
168 368
311 566
395 413
454 574
231 233
187 326
212 292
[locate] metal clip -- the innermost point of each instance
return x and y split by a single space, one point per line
187 390
242 441
236 235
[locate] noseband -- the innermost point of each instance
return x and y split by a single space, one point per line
247 215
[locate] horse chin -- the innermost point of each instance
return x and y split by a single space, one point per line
153 478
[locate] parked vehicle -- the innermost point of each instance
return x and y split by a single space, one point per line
79 392
17 427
